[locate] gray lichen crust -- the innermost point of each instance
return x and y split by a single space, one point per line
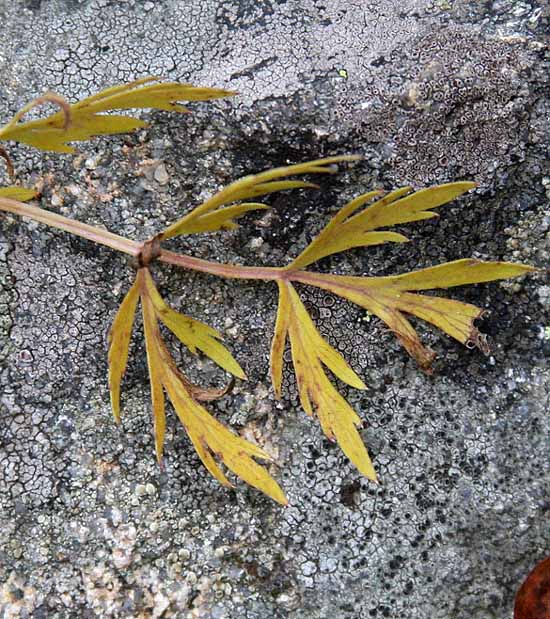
428 91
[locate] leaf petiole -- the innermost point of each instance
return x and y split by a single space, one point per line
91 233
230 271
134 248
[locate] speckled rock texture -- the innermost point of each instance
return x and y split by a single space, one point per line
428 91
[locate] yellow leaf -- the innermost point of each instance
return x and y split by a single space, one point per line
279 340
390 297
249 187
161 96
155 366
18 193
83 120
317 394
119 342
222 219
264 189
347 230
192 333
456 273
210 438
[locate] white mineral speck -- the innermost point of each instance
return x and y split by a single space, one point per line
308 568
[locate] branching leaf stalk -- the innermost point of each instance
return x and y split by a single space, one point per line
360 223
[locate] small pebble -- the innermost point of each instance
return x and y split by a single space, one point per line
161 175
256 243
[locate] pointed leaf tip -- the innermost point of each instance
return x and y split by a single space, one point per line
310 355
211 215
349 229
119 343
85 119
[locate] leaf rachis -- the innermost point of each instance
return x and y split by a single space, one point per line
359 223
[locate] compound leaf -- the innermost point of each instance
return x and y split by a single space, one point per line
347 230
310 352
82 120
211 439
211 215
390 298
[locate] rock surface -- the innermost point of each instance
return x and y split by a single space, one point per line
428 92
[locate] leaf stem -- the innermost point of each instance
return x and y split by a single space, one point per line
133 248
47 97
91 233
9 163
232 271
